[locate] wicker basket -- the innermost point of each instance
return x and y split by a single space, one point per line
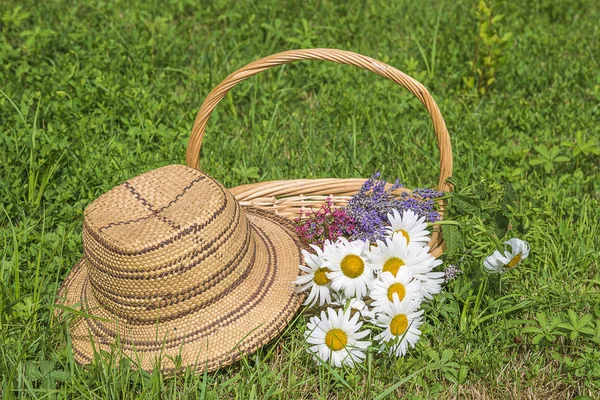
289 197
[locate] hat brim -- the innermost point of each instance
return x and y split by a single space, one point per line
241 321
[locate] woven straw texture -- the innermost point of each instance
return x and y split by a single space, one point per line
290 197
174 266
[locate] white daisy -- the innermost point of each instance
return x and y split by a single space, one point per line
409 225
390 255
498 263
334 338
351 271
401 287
401 321
422 264
395 254
354 305
431 283
315 279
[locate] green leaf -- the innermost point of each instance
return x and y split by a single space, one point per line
452 238
463 373
572 316
567 326
541 318
550 337
562 159
587 330
501 223
447 355
531 329
34 372
252 172
554 152
497 18
509 197
543 150
574 335
555 322
585 320
60 376
537 161
46 367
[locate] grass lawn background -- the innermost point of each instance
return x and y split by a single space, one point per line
97 92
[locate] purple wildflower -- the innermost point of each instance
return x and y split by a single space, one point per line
451 272
425 193
422 206
372 204
370 207
315 227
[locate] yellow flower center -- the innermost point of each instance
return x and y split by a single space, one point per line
515 260
321 277
336 339
397 288
405 234
393 265
352 266
399 324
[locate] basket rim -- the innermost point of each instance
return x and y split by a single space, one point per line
272 196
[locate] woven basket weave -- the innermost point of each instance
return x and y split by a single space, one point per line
289 197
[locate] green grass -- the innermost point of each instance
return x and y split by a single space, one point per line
93 93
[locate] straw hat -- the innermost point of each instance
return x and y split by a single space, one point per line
174 266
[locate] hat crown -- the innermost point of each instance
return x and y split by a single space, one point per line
166 243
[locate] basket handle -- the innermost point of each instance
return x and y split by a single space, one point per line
338 56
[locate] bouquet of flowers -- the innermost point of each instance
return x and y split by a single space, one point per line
370 266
